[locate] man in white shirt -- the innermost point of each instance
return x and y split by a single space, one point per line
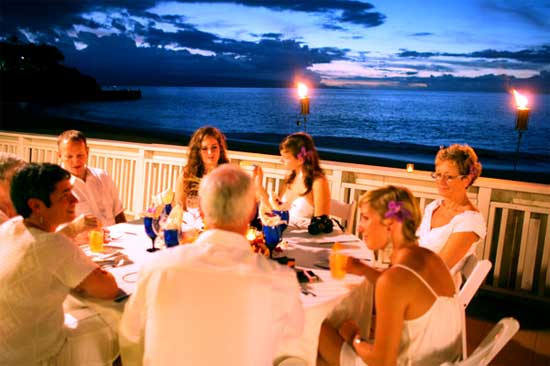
213 302
8 165
94 188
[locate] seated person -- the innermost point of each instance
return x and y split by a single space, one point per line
418 313
93 187
39 268
8 165
453 226
306 190
214 301
207 150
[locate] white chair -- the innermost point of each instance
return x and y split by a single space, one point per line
344 212
474 271
493 342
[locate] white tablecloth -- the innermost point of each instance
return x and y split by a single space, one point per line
336 300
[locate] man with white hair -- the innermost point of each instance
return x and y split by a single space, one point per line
213 302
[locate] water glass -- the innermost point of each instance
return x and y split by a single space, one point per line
171 237
96 241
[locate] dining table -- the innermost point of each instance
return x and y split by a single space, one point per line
324 298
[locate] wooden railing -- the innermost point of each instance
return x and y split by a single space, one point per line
517 213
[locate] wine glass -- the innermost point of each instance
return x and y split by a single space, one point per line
284 215
272 237
151 229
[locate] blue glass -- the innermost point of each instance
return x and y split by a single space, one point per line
284 216
151 231
171 237
272 237
167 209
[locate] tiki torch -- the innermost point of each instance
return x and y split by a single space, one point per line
522 119
304 104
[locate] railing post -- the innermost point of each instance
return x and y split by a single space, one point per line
483 205
139 188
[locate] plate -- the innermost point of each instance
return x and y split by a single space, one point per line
115 234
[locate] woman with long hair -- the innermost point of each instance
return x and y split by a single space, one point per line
418 313
207 150
306 189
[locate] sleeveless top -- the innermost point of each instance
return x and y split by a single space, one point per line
300 212
431 339
434 337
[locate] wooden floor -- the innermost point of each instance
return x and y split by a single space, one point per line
530 346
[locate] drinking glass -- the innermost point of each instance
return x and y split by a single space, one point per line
272 237
96 240
151 229
283 214
337 264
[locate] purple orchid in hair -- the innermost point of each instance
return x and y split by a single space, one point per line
397 211
303 153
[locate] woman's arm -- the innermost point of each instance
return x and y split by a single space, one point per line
321 196
180 191
457 246
357 267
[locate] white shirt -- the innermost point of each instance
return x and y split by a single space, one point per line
213 302
36 273
98 195
436 238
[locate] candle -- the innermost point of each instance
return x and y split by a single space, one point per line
251 234
410 167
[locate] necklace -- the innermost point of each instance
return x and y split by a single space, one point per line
456 207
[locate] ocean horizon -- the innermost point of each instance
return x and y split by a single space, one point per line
426 118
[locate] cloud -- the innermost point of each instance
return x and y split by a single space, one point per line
422 34
538 55
531 12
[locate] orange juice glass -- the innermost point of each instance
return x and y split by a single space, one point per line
96 241
337 262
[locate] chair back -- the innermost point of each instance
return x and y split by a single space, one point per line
491 345
474 271
344 212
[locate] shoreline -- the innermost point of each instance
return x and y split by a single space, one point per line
496 164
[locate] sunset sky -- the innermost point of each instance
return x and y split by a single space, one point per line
334 42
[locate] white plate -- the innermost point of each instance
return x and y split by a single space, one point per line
108 251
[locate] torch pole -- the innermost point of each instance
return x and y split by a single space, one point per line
520 133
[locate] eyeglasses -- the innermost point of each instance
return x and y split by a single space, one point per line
445 178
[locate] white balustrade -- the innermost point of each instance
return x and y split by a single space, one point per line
517 213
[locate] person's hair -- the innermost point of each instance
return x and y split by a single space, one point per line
9 162
399 202
301 145
35 181
71 135
465 159
227 197
195 165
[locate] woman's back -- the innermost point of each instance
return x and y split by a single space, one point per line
432 324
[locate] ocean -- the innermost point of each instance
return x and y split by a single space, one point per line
427 118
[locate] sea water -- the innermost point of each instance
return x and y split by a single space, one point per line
429 118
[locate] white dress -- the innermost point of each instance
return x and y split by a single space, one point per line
431 339
436 238
300 212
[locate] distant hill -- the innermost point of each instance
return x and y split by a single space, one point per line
33 73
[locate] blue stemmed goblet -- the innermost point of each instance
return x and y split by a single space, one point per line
151 231
272 237
283 214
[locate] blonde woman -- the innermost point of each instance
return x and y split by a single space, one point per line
418 314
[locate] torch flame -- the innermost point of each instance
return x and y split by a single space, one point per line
521 100
302 90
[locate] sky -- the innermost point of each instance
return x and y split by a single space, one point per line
275 42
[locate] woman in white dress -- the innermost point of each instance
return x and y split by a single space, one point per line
418 314
452 226
305 192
